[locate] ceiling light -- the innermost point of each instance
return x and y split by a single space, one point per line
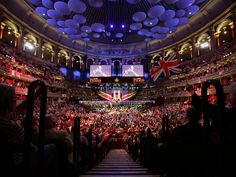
123 26
111 26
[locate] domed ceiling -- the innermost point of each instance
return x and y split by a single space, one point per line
116 21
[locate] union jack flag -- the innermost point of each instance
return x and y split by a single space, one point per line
166 67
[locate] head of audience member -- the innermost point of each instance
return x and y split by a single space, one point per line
193 115
50 122
7 101
232 94
148 132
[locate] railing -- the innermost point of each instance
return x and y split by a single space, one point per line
28 125
79 163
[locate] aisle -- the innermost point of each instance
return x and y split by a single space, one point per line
118 163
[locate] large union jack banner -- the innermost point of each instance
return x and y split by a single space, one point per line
166 67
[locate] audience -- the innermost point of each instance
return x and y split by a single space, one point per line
12 136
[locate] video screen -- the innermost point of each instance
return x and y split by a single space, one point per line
132 70
100 70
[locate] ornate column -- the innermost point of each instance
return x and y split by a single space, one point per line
213 40
217 38
56 50
193 48
69 60
209 42
163 54
21 39
39 50
177 51
52 59
1 26
232 26
191 51
1 30
17 40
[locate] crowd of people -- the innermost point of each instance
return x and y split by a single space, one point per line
146 131
124 122
30 69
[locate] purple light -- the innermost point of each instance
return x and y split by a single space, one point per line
76 73
146 75
88 75
112 26
123 26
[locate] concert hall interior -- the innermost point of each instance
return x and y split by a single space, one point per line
118 88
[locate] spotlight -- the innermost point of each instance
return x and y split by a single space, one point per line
122 26
111 26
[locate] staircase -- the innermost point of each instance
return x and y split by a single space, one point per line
118 163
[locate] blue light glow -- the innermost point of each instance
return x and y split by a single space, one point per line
146 75
76 73
87 75
63 71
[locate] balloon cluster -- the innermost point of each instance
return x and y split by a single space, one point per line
162 18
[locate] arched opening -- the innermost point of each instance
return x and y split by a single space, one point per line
30 44
9 33
155 59
169 53
89 62
130 62
224 32
185 52
103 62
204 43
63 57
47 52
77 62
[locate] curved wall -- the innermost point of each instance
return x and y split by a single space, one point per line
26 18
